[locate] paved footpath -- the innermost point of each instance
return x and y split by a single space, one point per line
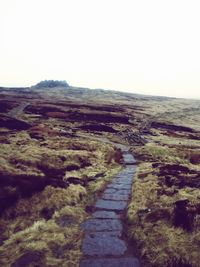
103 244
17 111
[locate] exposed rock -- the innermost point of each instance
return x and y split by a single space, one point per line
51 84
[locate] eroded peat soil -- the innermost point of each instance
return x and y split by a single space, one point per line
55 157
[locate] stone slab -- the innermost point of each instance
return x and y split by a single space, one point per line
130 169
105 233
124 192
120 262
124 180
118 191
110 204
102 225
126 170
103 246
119 186
124 175
103 214
115 197
110 190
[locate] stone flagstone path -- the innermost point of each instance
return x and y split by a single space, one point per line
103 244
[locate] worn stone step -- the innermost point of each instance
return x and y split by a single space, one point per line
103 245
119 262
103 214
118 191
110 190
111 204
105 233
130 171
124 175
119 186
115 196
123 180
102 225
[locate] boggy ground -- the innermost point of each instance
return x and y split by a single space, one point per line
164 213
53 166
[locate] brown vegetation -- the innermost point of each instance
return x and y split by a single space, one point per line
55 161
165 208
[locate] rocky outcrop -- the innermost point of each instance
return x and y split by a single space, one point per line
133 138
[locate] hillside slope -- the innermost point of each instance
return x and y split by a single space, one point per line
54 160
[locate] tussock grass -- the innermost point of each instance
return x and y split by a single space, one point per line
48 222
159 152
28 232
151 210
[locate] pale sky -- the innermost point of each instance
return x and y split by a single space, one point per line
139 46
